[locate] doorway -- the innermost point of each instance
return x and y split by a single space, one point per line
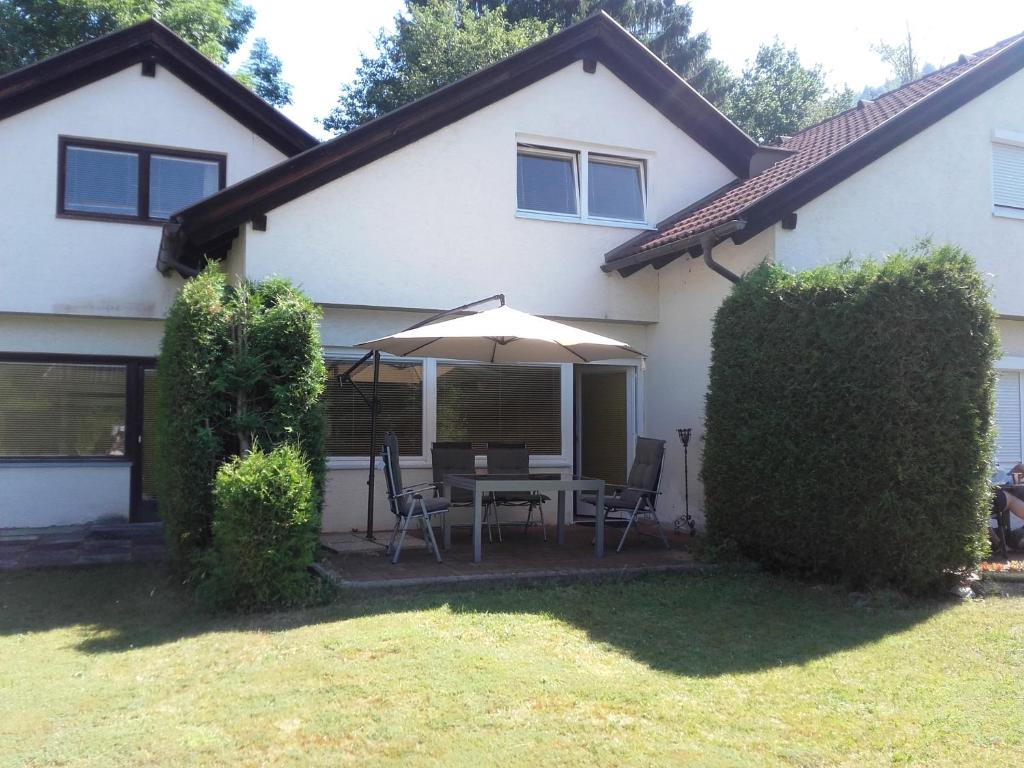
603 417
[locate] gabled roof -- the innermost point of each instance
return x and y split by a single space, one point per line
153 42
596 39
821 157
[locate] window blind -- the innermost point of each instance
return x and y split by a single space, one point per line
177 182
482 403
546 182
101 181
400 392
1008 176
1009 445
61 410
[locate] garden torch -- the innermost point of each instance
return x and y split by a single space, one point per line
684 438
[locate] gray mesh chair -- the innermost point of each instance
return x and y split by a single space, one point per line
514 459
639 496
408 502
457 458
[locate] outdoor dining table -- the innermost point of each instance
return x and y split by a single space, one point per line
482 484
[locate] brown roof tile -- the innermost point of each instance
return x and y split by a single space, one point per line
811 148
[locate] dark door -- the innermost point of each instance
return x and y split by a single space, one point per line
144 506
603 431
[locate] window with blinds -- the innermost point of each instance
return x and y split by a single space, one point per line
1009 431
61 410
1008 176
482 403
400 391
112 180
177 182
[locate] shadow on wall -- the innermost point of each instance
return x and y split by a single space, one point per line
684 625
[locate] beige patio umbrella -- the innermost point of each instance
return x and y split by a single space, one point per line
502 335
499 335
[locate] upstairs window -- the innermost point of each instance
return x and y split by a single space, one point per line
580 186
1008 177
106 180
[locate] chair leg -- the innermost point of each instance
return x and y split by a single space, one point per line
529 517
430 534
487 519
401 538
661 528
394 533
543 526
625 533
497 522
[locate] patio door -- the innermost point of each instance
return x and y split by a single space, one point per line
143 444
602 422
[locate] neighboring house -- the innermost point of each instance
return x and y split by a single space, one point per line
580 177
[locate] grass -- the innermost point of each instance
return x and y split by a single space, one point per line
115 666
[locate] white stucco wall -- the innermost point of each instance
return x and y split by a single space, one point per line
679 349
937 184
42 494
433 225
76 267
63 335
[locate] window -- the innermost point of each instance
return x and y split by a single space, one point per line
611 190
400 391
106 180
1008 178
616 188
1009 431
55 410
547 181
500 402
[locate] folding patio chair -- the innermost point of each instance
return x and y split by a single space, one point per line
409 502
457 458
514 459
639 496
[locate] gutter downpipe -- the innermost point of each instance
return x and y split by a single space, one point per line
170 246
706 244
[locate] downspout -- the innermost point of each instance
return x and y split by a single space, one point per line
706 244
170 247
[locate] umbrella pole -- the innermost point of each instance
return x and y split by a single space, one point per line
374 407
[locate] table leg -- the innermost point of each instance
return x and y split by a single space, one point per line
478 517
599 523
447 534
560 531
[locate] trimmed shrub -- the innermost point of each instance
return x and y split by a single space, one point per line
265 528
849 419
239 365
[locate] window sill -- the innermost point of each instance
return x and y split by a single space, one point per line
1007 213
580 220
110 219
419 462
64 461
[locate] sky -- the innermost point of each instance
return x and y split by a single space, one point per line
319 41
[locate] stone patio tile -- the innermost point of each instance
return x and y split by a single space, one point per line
43 558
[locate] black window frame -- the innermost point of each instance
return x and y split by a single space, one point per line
145 153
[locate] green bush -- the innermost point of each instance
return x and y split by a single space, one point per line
265 529
849 419
239 365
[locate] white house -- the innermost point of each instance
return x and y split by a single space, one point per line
581 178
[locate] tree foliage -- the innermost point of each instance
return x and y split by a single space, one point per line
436 42
238 366
31 30
434 45
849 419
778 96
261 73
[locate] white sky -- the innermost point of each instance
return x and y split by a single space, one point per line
319 41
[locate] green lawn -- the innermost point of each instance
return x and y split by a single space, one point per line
114 666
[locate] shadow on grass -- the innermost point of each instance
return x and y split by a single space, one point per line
697 626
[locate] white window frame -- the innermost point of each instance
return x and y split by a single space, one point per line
581 153
561 154
1011 139
1011 364
423 461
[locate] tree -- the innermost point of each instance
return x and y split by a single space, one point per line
436 44
778 96
664 26
261 73
904 63
31 30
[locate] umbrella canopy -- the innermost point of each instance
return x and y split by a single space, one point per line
503 335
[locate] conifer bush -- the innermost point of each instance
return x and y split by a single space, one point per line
849 419
239 366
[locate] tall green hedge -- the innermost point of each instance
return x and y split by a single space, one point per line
849 419
239 366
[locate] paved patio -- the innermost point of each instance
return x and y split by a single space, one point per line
353 562
94 544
